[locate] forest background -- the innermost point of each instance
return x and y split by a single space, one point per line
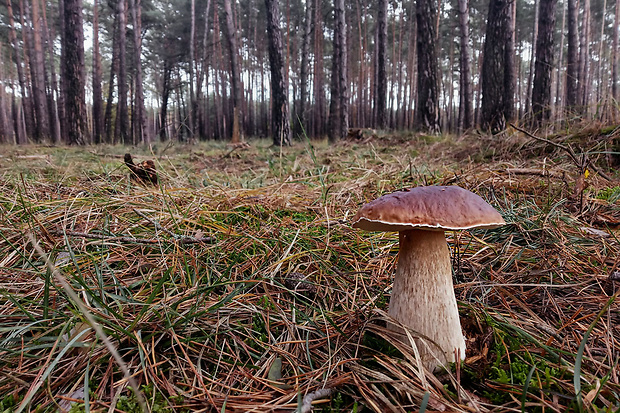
135 71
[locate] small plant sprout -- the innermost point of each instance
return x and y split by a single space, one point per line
423 295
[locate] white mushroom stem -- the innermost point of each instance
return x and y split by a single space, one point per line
423 296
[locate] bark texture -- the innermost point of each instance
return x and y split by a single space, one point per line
381 96
466 111
338 111
428 81
541 90
280 126
231 37
572 55
74 83
497 95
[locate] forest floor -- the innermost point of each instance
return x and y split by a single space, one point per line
238 284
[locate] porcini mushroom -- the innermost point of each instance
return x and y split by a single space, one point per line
423 295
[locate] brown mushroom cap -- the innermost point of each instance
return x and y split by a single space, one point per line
428 207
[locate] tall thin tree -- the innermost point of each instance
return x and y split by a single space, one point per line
497 90
541 90
74 81
140 111
97 75
338 108
382 46
466 111
428 81
237 91
280 126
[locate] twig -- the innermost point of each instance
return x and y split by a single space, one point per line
581 164
184 240
155 224
306 405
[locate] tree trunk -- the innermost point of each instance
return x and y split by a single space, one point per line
165 95
280 126
122 116
584 59
541 90
615 65
495 94
338 111
237 92
136 15
382 33
21 137
97 75
37 67
305 55
428 81
572 56
74 71
534 43
466 117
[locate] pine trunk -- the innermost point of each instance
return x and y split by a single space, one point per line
75 103
572 56
466 119
382 33
496 96
541 90
231 37
140 112
122 117
338 111
280 126
428 81
97 75
305 55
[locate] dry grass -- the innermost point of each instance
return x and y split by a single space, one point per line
238 285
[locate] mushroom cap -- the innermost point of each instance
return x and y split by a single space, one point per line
436 208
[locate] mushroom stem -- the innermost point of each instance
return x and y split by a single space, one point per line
423 296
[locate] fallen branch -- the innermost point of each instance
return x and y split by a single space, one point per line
532 171
582 163
306 405
132 240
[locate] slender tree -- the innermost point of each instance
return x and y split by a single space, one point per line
302 122
497 93
74 81
466 111
382 46
615 56
541 90
237 91
428 80
140 112
122 116
338 108
280 126
21 137
37 68
572 56
97 75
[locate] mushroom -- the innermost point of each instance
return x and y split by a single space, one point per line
423 295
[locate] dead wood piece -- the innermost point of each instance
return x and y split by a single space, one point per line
306 406
532 171
180 240
143 172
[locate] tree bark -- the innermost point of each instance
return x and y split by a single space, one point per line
97 75
615 67
231 37
140 115
382 33
338 111
37 67
496 93
572 56
466 118
584 59
21 137
280 126
74 71
305 52
428 81
534 43
122 117
541 90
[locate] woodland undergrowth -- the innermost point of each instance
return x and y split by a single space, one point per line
238 284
